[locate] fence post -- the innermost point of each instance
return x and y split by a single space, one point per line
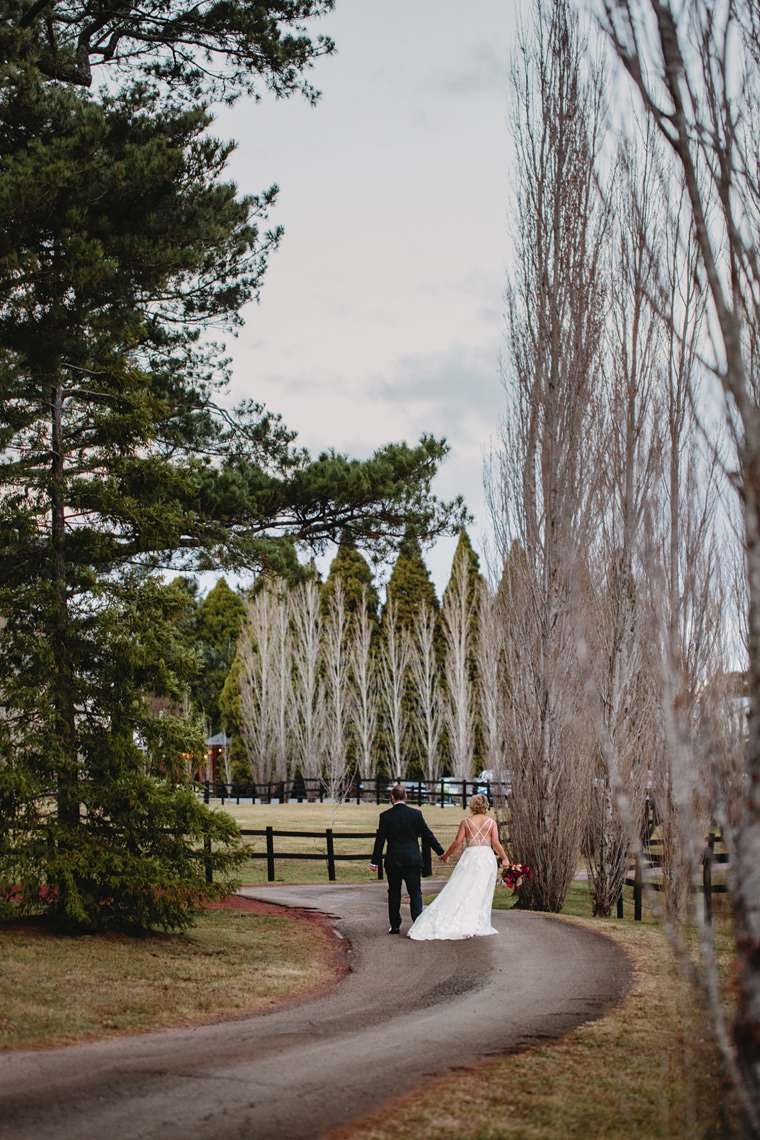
637 892
707 859
330 855
270 854
205 792
620 904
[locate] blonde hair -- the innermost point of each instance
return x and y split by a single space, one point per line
479 805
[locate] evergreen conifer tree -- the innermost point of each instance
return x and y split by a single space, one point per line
464 553
410 591
119 245
410 583
355 575
218 622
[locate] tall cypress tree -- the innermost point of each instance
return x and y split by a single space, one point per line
218 623
409 588
356 577
410 583
464 550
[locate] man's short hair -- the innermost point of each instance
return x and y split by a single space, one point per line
398 792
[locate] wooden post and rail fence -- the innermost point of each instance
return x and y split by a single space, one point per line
330 855
643 875
641 870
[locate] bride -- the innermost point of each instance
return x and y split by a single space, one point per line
463 907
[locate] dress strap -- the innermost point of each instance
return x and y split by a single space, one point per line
475 837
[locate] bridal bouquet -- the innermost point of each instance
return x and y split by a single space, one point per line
512 874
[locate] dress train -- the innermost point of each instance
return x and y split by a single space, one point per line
463 908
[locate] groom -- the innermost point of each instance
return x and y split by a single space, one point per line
401 827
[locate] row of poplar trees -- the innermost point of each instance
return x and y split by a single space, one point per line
327 685
124 251
627 479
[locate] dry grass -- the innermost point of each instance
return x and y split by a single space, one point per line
55 990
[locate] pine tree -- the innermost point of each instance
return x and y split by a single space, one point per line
120 248
194 50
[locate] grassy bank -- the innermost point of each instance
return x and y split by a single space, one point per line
55 990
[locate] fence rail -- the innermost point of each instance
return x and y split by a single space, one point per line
331 856
642 878
444 792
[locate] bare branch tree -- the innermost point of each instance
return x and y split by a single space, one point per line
308 690
457 615
260 652
284 767
541 479
617 632
365 705
339 694
394 663
696 68
491 691
425 676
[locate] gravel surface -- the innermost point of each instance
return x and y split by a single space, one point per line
405 1012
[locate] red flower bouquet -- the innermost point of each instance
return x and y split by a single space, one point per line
512 874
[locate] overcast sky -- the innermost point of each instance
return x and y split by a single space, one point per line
381 315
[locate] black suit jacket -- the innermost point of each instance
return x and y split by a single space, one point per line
402 828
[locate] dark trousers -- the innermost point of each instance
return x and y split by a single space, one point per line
412 876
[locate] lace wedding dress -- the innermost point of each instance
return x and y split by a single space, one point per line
463 907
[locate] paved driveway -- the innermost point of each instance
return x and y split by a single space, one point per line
405 1012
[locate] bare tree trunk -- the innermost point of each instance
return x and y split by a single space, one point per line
394 663
457 615
364 672
427 689
540 480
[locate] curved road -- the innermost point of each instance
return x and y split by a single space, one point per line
405 1012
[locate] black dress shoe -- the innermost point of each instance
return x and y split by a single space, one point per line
393 930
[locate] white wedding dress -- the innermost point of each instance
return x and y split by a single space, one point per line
463 908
